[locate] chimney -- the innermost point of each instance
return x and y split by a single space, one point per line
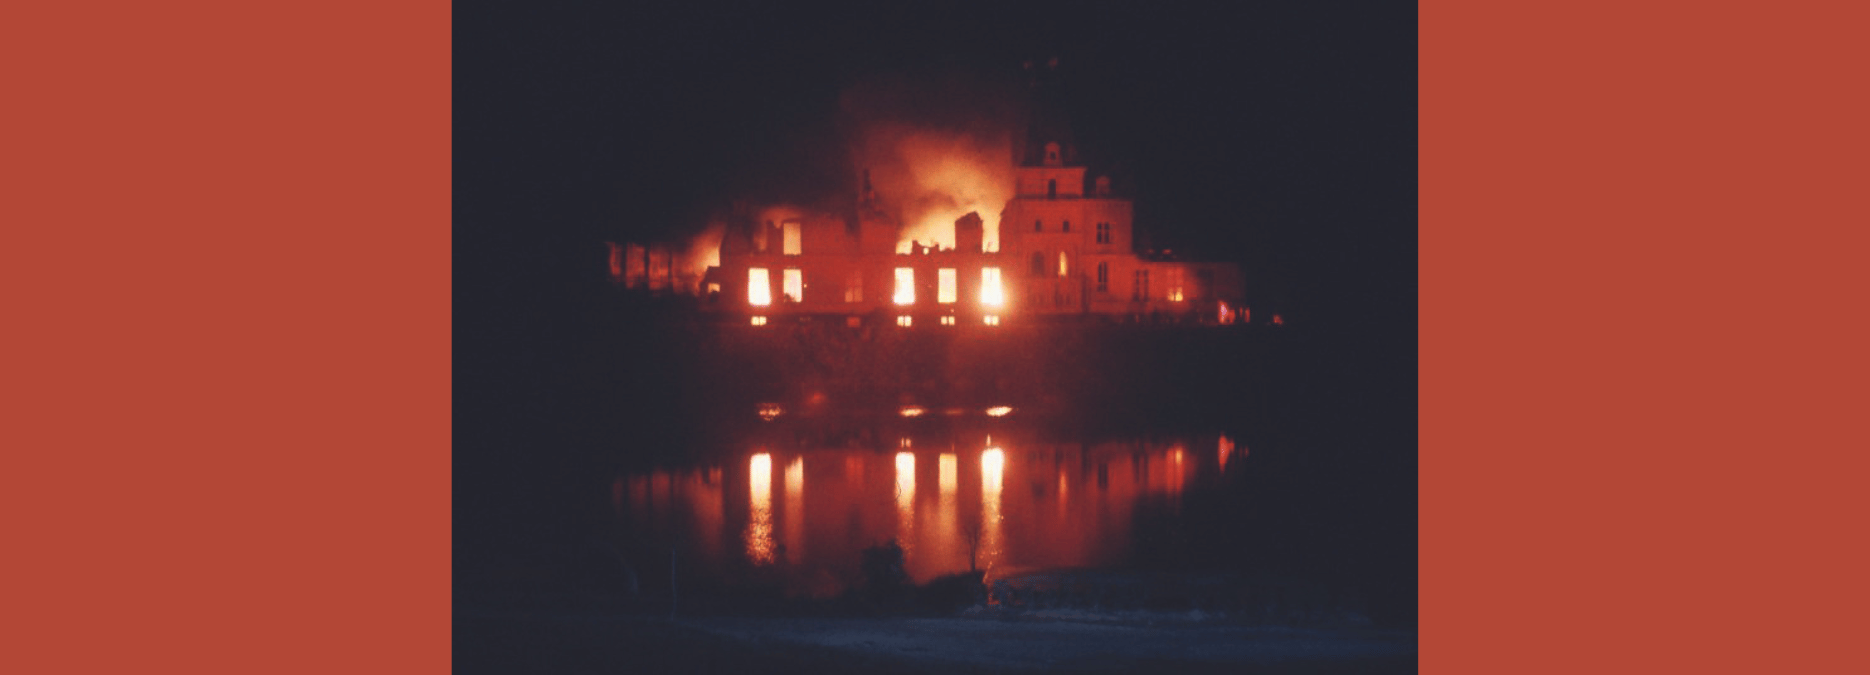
969 233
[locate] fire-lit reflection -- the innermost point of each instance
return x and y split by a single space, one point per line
946 535
1178 474
760 516
992 476
1041 506
999 411
912 411
795 509
768 411
905 496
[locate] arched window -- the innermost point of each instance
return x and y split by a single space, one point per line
1038 264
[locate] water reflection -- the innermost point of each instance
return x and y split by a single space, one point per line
941 550
905 498
795 509
760 516
992 478
1001 504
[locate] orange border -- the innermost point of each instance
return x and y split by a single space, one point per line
1641 293
227 269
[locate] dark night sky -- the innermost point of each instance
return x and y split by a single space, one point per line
1282 137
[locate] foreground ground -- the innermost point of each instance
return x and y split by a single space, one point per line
568 642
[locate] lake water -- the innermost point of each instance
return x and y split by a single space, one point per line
969 491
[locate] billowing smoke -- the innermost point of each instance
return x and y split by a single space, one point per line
704 250
936 150
933 176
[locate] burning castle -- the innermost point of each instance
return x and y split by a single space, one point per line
1060 250
922 253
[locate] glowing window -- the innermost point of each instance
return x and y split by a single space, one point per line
905 286
759 287
947 321
793 283
1103 277
991 320
1175 284
793 241
990 293
1063 269
903 320
854 287
759 321
945 285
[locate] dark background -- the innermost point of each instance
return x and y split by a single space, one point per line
1279 137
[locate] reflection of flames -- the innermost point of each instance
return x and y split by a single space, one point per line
905 495
1177 472
947 516
999 411
992 473
1227 450
912 411
768 411
760 516
795 509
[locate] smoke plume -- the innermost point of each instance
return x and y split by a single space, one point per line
936 150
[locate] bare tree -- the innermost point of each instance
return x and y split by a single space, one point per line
972 531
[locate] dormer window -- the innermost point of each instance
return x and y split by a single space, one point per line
1051 154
